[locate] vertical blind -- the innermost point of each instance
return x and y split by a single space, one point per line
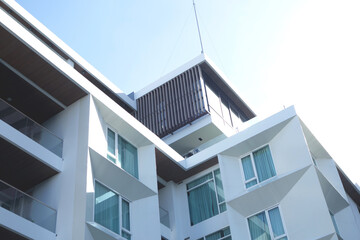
173 104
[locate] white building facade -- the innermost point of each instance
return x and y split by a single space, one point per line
183 158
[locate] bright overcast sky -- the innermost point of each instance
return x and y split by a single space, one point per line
277 53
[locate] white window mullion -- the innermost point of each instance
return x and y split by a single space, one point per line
254 167
269 224
216 194
209 180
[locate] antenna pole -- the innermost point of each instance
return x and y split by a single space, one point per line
197 23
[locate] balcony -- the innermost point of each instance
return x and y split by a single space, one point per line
165 223
164 217
30 128
29 153
15 204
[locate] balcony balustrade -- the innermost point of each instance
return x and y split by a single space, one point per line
27 207
30 128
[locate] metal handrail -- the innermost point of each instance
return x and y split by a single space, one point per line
24 193
27 207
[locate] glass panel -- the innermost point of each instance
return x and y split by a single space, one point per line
219 186
125 215
106 208
283 238
27 207
125 235
111 141
276 223
247 167
164 217
129 159
264 164
31 129
251 183
111 158
222 207
258 227
213 100
199 181
202 203
225 111
219 234
234 118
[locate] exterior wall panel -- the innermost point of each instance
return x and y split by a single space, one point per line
173 104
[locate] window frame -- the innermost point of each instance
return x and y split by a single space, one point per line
269 222
221 238
212 171
120 199
251 154
116 157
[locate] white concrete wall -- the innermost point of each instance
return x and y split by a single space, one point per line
173 198
144 213
328 168
66 190
348 221
289 149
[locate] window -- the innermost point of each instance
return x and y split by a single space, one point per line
260 160
107 211
122 153
223 234
260 228
205 197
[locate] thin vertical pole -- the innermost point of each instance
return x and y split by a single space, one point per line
197 23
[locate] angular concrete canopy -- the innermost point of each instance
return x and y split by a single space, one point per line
116 178
266 194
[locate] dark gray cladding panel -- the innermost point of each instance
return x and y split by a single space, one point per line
173 104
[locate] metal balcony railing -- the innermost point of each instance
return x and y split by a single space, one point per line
27 207
30 128
164 217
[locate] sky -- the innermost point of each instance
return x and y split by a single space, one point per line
277 53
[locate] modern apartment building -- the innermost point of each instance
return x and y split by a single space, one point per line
183 158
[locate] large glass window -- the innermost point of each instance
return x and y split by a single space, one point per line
262 162
122 153
107 211
267 225
205 197
223 234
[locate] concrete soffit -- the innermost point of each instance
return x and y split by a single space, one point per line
257 134
268 193
333 198
316 149
116 178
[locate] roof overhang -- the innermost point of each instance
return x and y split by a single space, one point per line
37 29
214 72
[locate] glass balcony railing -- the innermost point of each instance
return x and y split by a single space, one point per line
164 217
30 128
27 207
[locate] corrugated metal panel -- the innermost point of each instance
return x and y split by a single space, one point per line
173 104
